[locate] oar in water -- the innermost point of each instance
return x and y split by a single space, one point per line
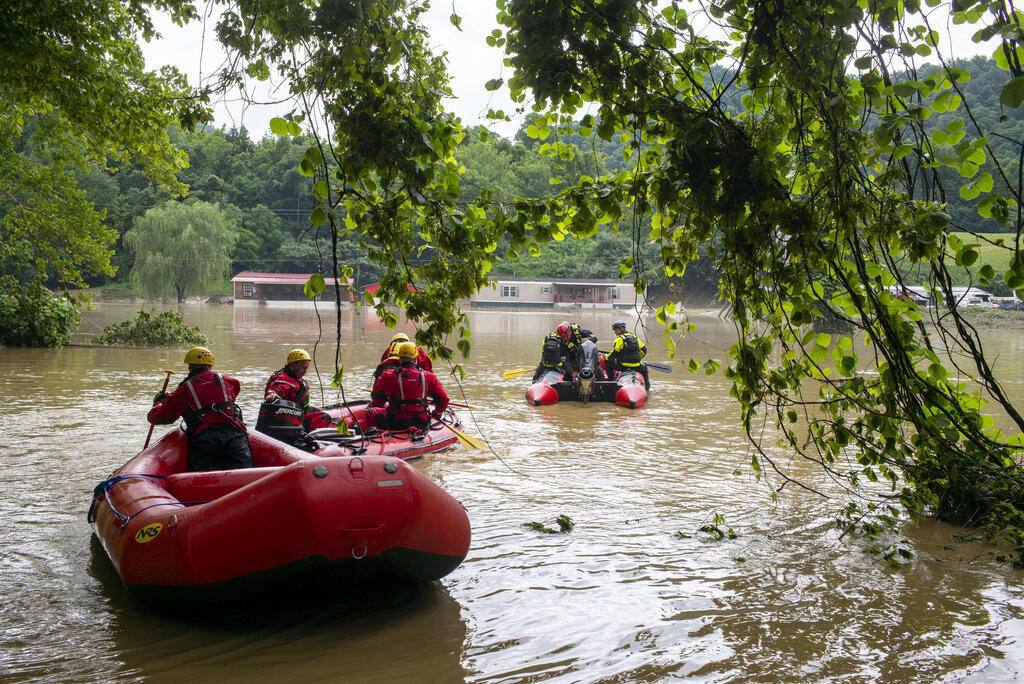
650 364
153 425
468 441
450 403
516 371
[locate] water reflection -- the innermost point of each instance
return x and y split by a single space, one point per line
379 633
623 597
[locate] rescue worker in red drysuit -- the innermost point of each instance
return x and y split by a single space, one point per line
572 342
399 398
422 360
217 437
288 384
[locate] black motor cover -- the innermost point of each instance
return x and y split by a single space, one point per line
280 419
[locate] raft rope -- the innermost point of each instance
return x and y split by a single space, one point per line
103 487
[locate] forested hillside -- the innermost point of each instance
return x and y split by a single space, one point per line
267 201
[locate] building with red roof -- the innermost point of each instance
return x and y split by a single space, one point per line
283 287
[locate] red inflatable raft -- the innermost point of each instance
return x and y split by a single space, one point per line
627 390
404 444
179 537
543 392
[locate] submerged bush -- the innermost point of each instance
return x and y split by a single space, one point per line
32 316
163 329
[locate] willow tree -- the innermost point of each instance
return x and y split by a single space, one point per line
181 248
813 197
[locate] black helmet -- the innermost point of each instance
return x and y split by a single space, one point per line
618 324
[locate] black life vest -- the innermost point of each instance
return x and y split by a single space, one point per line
575 336
551 355
630 355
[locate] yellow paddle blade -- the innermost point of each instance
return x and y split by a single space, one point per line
467 441
516 371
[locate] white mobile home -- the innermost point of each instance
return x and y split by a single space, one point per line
963 296
555 293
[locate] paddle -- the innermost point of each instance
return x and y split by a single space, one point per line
450 403
149 436
650 364
517 371
468 441
659 366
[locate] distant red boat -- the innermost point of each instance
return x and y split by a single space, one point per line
180 537
627 390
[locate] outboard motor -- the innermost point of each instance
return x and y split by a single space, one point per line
586 386
281 420
591 359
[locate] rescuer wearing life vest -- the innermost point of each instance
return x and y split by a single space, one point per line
288 384
572 337
422 360
552 357
217 437
627 354
400 396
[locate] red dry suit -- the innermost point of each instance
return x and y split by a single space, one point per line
400 399
422 360
205 399
391 362
217 437
285 384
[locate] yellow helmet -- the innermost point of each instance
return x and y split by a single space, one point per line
407 350
400 336
199 356
298 355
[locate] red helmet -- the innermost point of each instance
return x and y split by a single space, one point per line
563 329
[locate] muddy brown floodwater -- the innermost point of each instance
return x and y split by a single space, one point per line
624 597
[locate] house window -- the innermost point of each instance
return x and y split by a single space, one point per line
247 289
509 290
545 290
613 292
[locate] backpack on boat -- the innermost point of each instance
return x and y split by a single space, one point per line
551 354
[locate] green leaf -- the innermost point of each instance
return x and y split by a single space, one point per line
279 126
320 190
1012 94
314 286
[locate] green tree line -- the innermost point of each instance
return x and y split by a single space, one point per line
265 202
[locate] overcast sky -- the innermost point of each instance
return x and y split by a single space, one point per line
471 64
